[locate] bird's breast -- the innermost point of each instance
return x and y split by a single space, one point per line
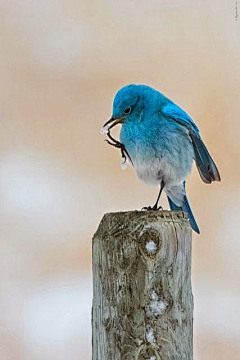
158 153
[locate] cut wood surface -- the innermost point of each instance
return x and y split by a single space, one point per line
142 297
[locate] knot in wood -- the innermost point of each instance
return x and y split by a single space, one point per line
150 242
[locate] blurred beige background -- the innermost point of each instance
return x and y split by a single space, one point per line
61 63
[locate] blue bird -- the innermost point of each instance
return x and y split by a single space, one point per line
161 141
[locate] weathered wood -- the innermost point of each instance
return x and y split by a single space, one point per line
142 297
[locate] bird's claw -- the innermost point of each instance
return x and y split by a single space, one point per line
153 208
147 208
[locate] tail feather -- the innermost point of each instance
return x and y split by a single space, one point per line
205 164
186 208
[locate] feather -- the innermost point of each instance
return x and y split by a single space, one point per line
186 208
205 164
207 168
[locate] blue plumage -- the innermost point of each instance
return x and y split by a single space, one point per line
162 141
186 208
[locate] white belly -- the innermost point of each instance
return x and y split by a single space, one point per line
155 171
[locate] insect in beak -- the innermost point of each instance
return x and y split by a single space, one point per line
113 123
106 129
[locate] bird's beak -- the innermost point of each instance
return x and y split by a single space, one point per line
113 122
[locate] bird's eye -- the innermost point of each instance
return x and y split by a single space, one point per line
127 111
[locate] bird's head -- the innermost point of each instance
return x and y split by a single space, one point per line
128 105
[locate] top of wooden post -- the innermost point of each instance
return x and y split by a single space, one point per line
145 217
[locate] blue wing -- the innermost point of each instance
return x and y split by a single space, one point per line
205 164
173 111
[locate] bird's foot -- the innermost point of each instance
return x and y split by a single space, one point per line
154 208
146 208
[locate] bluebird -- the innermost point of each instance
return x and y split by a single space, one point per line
161 141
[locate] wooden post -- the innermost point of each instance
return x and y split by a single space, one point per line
142 297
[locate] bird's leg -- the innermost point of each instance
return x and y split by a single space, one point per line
155 206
